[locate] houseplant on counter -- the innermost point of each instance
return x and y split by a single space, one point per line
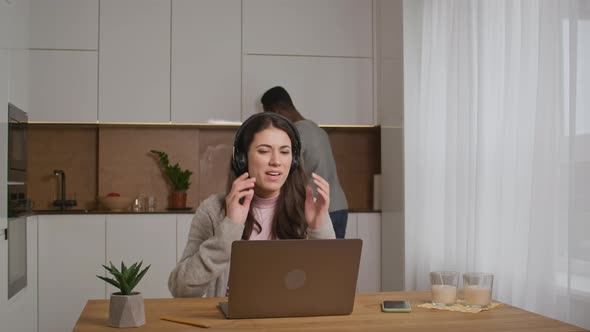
178 178
126 308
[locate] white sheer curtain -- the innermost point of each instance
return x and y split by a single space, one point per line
497 148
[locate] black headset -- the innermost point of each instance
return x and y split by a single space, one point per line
240 158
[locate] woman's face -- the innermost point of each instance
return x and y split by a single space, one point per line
269 161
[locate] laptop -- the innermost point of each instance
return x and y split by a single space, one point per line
290 278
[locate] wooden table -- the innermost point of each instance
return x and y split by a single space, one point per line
367 316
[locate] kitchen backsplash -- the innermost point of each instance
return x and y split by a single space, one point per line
72 149
99 160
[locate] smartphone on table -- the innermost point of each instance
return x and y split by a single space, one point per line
396 306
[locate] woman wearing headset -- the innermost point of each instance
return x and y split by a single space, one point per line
268 198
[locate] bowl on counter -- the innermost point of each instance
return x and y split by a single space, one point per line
116 203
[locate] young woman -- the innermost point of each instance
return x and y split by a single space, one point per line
268 198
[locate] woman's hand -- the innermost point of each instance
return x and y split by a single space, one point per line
241 189
316 211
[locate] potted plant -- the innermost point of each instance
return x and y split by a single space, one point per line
178 178
126 308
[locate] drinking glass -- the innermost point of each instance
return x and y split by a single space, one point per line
138 204
151 204
478 289
443 285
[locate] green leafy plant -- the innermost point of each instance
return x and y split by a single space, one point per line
127 278
178 178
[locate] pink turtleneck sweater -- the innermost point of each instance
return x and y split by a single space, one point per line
263 209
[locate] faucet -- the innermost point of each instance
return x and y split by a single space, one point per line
63 203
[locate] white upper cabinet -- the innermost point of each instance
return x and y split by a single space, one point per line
206 60
63 86
326 90
6 12
134 61
64 24
19 78
14 24
309 27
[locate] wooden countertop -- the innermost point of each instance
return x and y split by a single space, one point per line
166 211
82 211
366 316
363 211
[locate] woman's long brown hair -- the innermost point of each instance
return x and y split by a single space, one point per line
289 219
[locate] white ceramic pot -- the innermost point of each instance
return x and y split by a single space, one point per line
126 310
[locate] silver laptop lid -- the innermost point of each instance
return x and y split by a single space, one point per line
286 278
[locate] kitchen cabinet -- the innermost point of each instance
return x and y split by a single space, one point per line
309 27
6 14
206 61
147 238
351 227
71 251
134 61
369 229
14 24
19 78
21 309
3 276
326 90
63 86
183 226
64 24
19 313
14 44
367 226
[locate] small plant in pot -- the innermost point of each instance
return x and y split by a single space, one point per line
178 178
126 308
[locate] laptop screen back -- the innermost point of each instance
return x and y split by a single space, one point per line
285 278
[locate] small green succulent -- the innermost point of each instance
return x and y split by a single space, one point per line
178 178
127 278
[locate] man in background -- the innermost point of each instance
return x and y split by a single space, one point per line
316 152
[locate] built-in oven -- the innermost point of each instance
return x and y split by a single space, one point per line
17 144
18 204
